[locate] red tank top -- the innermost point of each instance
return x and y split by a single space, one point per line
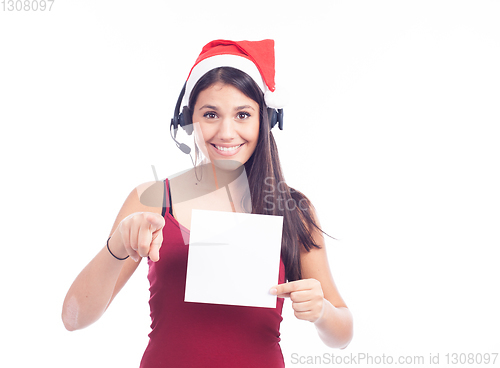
185 334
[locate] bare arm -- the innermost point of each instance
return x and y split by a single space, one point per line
315 298
98 283
335 323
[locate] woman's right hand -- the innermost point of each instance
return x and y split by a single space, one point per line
138 235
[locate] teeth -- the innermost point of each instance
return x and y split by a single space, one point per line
227 148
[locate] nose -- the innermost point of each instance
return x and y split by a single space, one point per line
227 130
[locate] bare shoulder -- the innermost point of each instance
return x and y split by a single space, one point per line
146 197
151 194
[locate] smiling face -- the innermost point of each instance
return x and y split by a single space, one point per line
229 122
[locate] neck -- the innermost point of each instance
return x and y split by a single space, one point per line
226 173
219 174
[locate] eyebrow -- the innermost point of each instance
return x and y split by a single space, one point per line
238 108
208 107
244 107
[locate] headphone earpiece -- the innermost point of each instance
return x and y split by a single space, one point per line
177 120
185 120
280 119
275 117
181 119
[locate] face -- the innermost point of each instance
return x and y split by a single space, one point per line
229 122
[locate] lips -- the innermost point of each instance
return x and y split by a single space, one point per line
227 150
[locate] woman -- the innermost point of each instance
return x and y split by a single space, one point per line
229 99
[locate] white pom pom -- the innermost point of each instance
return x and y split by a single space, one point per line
276 99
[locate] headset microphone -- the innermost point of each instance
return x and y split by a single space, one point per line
184 148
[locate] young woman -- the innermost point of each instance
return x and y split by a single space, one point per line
229 104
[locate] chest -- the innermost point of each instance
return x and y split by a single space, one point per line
218 200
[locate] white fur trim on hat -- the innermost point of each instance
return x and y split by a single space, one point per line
216 61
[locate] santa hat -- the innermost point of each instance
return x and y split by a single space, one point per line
255 58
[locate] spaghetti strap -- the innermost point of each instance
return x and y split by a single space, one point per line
166 192
169 197
164 206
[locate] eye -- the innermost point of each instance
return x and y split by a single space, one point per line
210 115
243 115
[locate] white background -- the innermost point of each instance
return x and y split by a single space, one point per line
392 130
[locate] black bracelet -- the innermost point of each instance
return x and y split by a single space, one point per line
120 259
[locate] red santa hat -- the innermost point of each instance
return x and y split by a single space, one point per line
255 58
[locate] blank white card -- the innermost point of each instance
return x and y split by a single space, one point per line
233 258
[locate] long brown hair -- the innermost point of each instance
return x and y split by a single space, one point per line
270 195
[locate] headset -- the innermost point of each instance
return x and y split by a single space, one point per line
183 119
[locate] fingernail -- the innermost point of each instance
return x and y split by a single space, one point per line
273 291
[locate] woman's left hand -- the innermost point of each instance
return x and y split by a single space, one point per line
306 296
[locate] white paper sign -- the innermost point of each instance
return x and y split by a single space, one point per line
233 258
